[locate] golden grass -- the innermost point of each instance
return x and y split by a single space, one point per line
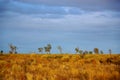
59 67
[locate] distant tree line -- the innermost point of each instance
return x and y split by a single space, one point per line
95 51
48 47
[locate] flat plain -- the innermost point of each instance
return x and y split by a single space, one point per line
59 67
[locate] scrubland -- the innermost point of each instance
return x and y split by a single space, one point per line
59 67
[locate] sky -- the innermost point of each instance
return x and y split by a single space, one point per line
30 24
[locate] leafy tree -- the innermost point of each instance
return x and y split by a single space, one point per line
48 48
1 52
90 52
60 49
40 50
77 50
12 49
96 50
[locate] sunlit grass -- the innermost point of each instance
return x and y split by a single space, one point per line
59 67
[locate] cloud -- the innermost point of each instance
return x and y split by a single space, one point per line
52 9
82 4
92 20
26 8
63 7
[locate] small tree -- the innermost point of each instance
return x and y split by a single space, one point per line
12 49
60 49
10 52
80 51
86 52
15 49
83 55
16 52
77 50
101 52
40 50
110 51
90 52
1 52
48 48
96 50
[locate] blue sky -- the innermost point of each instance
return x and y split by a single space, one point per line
30 24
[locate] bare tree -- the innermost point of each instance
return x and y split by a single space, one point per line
13 49
60 49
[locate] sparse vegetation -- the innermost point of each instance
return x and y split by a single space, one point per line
101 52
77 50
12 49
59 67
110 51
60 49
96 50
40 50
90 52
48 48
1 52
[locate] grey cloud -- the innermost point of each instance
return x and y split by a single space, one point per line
26 8
70 31
56 9
71 23
83 4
